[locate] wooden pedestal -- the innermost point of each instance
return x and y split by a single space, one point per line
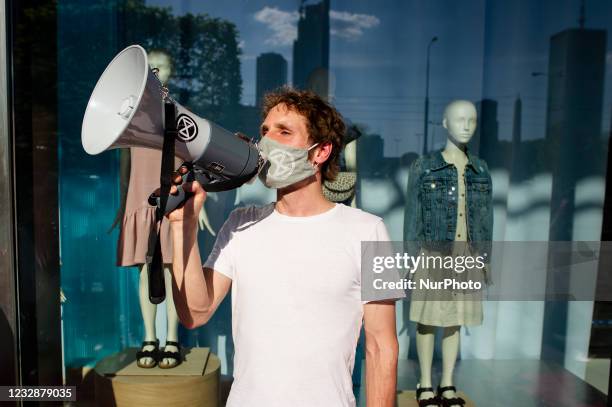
407 398
119 382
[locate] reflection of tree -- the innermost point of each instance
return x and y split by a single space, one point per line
208 75
204 52
151 27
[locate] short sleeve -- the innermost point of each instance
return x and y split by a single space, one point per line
220 258
380 234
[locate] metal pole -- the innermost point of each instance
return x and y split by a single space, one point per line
9 320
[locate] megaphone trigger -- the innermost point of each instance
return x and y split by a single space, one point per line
174 200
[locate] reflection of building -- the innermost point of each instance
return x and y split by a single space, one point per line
486 138
518 168
517 122
573 122
271 74
576 67
370 149
311 49
575 84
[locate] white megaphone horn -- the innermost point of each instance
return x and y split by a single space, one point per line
126 109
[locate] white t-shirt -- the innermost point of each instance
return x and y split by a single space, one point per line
296 303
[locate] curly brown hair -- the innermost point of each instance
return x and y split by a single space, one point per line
325 123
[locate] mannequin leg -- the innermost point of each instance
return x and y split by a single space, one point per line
148 311
173 319
425 338
450 350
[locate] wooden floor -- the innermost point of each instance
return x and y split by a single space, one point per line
501 383
509 383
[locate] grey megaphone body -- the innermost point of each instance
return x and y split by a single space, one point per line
127 109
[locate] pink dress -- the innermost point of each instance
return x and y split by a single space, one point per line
139 216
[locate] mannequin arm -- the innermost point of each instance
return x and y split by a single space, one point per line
412 211
350 156
488 247
204 222
381 353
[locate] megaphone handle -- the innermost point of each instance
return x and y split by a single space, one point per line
176 200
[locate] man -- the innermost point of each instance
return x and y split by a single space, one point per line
294 269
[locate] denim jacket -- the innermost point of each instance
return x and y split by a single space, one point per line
431 204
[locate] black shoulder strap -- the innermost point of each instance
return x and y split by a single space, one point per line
157 287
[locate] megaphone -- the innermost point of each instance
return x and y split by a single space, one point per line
126 109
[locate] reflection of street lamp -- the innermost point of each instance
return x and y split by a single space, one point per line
434 39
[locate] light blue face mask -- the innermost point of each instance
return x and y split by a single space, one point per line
285 165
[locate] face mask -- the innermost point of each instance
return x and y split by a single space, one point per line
285 165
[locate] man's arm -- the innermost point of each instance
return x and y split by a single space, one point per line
381 353
197 292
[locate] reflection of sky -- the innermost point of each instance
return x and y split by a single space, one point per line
377 56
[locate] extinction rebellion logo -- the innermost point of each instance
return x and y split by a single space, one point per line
283 164
186 128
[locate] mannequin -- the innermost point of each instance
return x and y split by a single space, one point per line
456 170
140 167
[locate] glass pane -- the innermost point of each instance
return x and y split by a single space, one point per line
537 73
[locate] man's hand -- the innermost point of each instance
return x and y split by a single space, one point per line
190 209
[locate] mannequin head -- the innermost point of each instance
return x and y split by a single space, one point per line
162 61
460 121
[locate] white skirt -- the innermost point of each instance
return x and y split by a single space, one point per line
448 307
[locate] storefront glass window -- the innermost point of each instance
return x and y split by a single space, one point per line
538 73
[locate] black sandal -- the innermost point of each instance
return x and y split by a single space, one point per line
164 354
452 401
148 354
427 402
